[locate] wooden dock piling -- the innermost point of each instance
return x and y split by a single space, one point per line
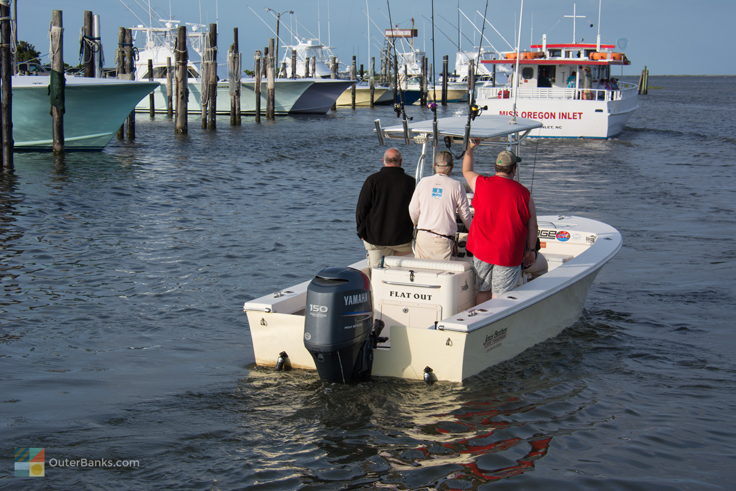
445 63
372 82
56 86
6 79
182 89
209 79
120 70
644 81
423 83
271 83
129 75
88 56
234 67
352 87
257 88
169 88
151 98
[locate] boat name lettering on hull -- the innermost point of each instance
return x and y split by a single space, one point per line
414 296
494 340
543 114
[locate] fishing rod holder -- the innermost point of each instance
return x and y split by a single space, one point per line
379 132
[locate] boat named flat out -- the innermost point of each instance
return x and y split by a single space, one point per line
417 319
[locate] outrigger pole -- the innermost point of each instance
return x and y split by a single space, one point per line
516 69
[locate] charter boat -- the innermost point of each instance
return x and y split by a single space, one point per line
417 319
94 109
571 88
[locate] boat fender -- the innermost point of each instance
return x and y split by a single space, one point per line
283 364
429 376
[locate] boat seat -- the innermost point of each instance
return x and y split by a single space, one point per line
554 260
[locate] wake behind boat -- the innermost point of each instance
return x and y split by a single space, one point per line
415 318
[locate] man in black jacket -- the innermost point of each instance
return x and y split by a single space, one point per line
382 214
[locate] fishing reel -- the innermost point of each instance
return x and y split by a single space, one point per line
475 111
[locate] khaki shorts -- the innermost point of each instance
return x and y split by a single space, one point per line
376 253
432 246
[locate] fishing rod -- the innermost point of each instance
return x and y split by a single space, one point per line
399 108
433 105
473 109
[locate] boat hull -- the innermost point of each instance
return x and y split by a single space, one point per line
381 95
464 343
564 112
286 94
320 97
94 111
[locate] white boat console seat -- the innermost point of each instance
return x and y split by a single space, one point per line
419 292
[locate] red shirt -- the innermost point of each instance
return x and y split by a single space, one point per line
499 230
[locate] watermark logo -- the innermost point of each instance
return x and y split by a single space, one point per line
30 462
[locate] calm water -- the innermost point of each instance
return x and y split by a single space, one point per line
123 276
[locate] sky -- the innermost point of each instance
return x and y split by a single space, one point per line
669 37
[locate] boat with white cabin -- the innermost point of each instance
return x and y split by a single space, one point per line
417 319
570 87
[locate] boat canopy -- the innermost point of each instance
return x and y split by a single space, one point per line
488 126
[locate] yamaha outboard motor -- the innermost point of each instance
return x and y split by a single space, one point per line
338 331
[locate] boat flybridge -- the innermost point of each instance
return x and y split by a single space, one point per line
416 318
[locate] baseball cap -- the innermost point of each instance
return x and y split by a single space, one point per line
507 158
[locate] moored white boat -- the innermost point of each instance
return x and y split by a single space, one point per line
587 106
94 110
431 324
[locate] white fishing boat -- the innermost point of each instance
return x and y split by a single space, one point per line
571 88
94 110
286 94
318 54
159 47
158 44
431 328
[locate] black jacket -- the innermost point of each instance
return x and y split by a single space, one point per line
382 213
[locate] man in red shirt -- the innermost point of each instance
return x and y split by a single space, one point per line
503 235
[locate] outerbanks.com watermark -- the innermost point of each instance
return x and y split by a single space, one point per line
94 463
32 462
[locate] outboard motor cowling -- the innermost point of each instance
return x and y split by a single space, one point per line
338 331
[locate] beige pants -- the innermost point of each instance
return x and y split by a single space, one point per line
431 246
376 253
